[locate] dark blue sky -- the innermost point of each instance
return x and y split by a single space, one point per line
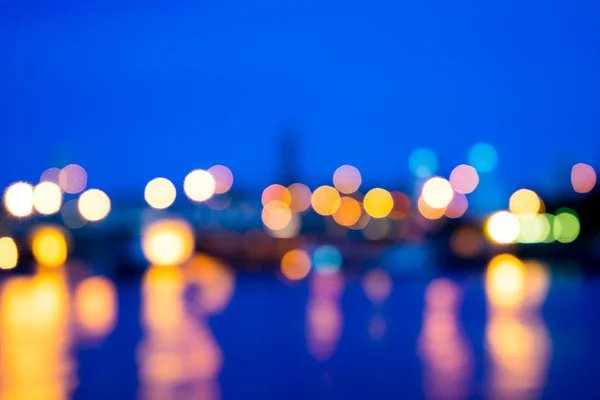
145 89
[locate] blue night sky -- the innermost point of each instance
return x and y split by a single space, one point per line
142 89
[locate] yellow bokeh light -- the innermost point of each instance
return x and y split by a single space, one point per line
47 198
276 215
503 227
199 185
168 242
464 179
300 197
534 229
18 199
505 281
295 264
276 192
378 203
437 192
96 306
9 253
72 179
93 205
524 202
348 213
160 193
347 179
326 200
583 178
223 178
429 212
49 246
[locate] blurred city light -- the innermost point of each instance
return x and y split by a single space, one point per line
168 242
72 179
300 197
348 213
429 212
49 246
378 203
505 282
160 193
276 215
9 253
223 178
47 198
464 179
295 264
214 280
524 203
50 175
326 200
484 157
94 205
401 206
503 227
377 285
437 192
423 163
327 259
199 185
583 178
95 302
535 229
347 179
276 192
458 206
566 226
18 199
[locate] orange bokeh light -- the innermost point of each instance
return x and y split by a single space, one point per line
300 195
428 211
325 200
295 264
348 213
276 192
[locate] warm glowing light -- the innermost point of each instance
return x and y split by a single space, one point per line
72 179
347 179
566 226
300 197
223 178
325 200
437 192
199 185
457 207
429 212
466 242
464 179
50 175
483 157
276 215
18 199
93 205
503 227
535 229
168 242
160 193
377 285
214 280
524 202
378 203
49 246
505 281
96 306
423 163
9 253
295 264
276 192
348 213
401 206
327 259
583 178
47 198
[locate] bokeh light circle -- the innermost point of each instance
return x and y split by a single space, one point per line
160 193
348 213
326 200
72 179
168 242
378 203
300 197
276 215
503 227
457 207
401 206
347 179
437 192
429 212
94 205
423 163
49 246
295 264
327 259
18 199
524 202
484 157
276 192
47 198
583 178
464 179
9 253
223 178
199 185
